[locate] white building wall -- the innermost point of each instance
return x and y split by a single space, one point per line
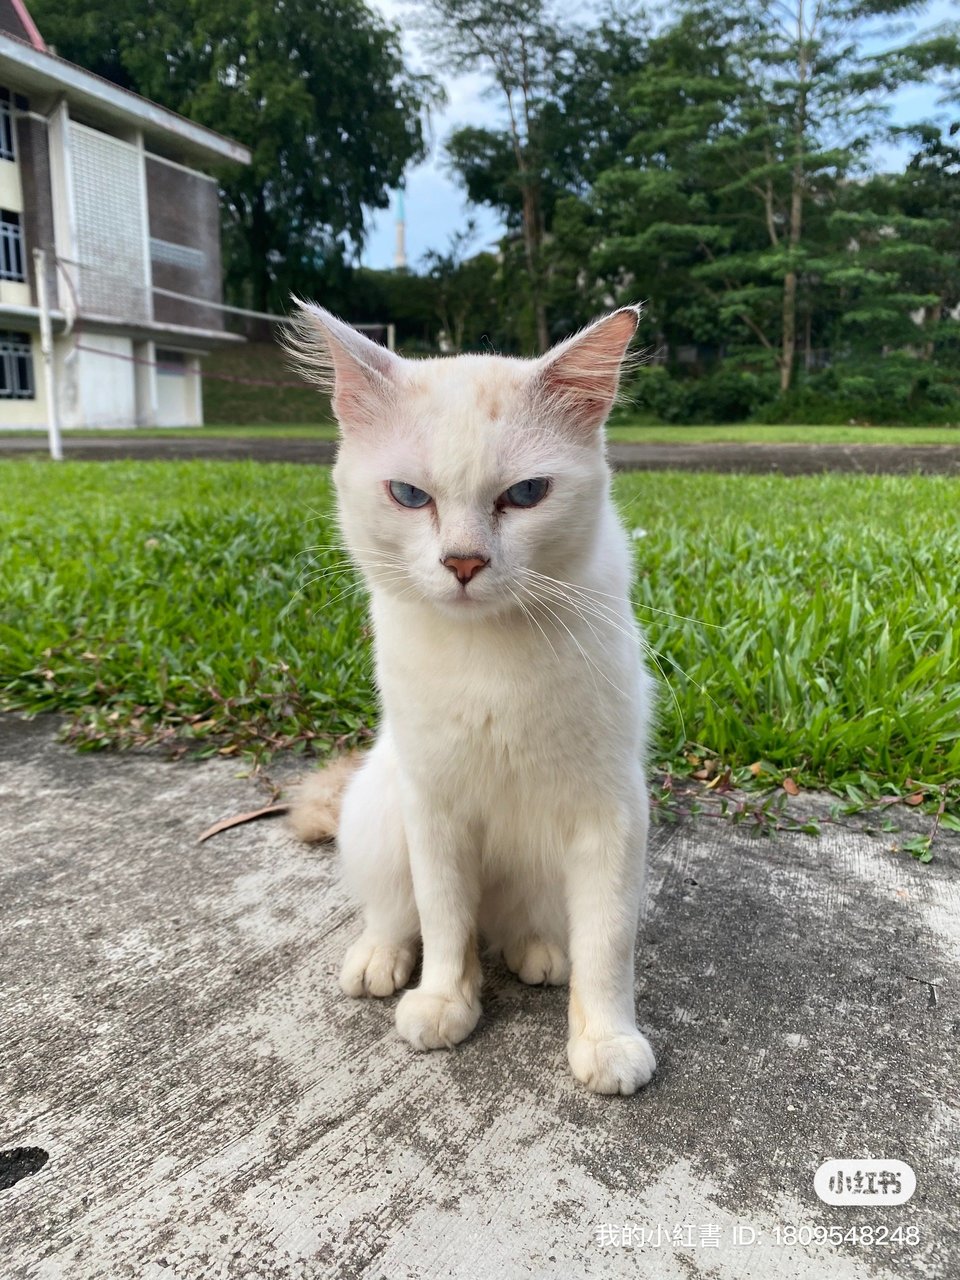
179 394
14 293
96 390
61 189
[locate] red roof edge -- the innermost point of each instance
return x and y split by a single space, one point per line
29 26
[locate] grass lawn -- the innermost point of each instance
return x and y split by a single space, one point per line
297 431
176 601
756 433
622 431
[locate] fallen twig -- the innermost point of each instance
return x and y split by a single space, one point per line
268 811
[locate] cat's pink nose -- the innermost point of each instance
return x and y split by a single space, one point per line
465 566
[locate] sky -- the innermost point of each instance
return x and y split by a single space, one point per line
436 206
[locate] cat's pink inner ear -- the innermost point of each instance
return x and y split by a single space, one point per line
358 374
580 377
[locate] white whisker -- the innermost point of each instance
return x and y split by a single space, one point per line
586 657
527 614
591 591
604 614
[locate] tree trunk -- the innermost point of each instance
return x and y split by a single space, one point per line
532 221
789 341
530 214
543 333
788 348
808 340
536 280
932 317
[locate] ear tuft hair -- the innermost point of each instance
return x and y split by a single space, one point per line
580 377
306 346
358 374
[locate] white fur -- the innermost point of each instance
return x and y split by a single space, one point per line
504 798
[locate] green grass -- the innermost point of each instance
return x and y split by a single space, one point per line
293 431
159 601
622 431
754 433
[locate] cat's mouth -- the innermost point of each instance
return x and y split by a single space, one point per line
464 601
462 596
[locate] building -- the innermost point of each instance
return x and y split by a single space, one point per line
115 190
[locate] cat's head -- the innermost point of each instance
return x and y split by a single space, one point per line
461 478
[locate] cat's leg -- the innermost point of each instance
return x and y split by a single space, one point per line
445 1007
605 879
376 869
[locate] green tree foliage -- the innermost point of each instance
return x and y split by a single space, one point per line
753 125
316 88
565 100
512 42
723 165
465 291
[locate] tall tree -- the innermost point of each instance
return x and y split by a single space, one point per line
511 42
577 123
750 120
316 88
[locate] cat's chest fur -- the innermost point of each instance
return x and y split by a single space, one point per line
501 699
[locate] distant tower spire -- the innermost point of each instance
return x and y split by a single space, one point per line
400 251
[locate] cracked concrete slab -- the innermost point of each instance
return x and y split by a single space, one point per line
173 1041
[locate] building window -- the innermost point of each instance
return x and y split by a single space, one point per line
16 366
11 246
172 362
177 255
6 126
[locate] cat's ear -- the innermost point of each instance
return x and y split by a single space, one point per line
578 379
358 374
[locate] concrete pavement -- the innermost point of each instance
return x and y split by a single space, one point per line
173 1042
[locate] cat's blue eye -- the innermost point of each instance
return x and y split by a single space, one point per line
526 493
408 495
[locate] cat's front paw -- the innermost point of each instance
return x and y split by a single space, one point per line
537 962
434 1021
377 969
614 1064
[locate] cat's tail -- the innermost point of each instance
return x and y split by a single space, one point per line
315 804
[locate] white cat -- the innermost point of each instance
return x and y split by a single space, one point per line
504 799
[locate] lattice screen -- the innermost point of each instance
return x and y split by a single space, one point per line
108 196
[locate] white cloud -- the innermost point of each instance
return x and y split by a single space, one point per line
436 207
